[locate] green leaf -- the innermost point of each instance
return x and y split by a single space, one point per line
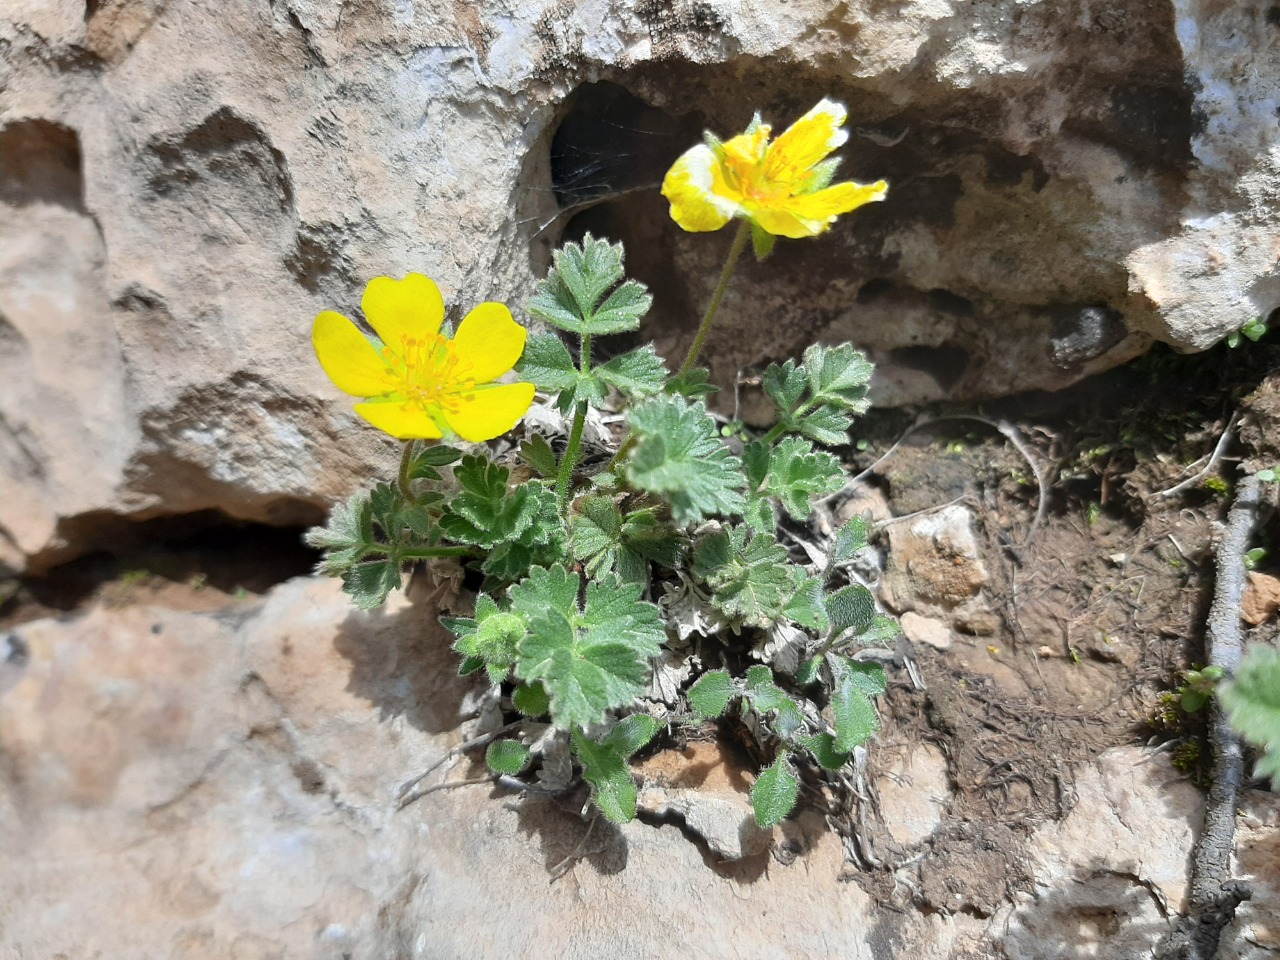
798 473
645 532
883 629
537 453
425 459
546 363
807 605
347 535
693 384
838 376
596 534
369 582
507 756
491 636
678 453
851 608
1252 701
766 697
854 684
487 514
581 275
632 733
612 789
531 699
826 425
592 657
762 241
784 384
849 539
748 574
823 748
636 374
711 694
774 793
808 671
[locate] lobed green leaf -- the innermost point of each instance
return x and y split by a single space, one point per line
773 795
679 454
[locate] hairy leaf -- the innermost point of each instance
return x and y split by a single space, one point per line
591 657
823 748
798 473
838 376
711 693
747 572
774 793
854 684
678 454
849 539
851 608
1252 700
507 756
581 275
531 699
612 789
632 733
491 636
537 453
637 373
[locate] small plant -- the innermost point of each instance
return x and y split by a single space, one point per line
1198 687
667 546
1252 701
1254 330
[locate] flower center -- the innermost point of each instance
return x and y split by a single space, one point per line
430 374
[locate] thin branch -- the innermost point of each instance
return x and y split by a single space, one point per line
1199 475
402 791
1214 895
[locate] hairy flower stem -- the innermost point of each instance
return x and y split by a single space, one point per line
406 461
739 244
570 460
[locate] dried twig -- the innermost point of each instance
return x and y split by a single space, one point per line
1214 895
1010 433
1199 475
402 792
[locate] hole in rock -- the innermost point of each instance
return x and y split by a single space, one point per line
946 363
40 162
197 561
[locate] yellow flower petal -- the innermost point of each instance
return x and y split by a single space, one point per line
488 343
783 223
746 150
405 421
806 142
689 186
350 360
397 310
490 412
826 205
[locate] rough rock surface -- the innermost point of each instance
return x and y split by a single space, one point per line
183 785
185 185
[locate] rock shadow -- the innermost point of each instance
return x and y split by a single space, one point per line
567 839
403 663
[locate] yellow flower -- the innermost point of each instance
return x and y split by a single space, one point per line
419 383
782 187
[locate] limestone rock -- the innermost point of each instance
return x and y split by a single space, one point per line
185 185
221 784
914 793
935 567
